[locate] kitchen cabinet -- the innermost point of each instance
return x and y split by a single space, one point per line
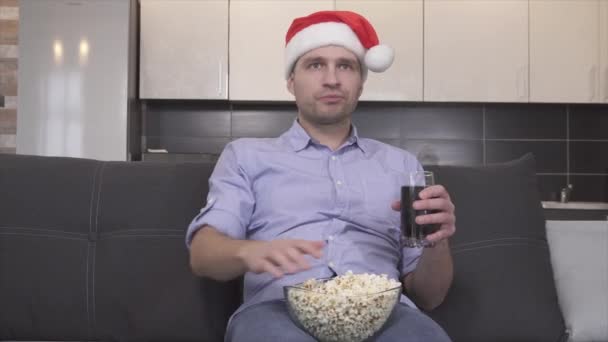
565 51
184 49
399 25
476 50
257 45
604 51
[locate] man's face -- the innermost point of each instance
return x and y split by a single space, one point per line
326 83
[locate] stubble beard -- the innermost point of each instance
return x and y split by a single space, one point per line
324 117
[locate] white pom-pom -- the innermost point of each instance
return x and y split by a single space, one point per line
379 58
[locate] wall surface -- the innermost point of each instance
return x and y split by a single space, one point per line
9 56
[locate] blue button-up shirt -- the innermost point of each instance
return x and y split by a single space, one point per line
292 187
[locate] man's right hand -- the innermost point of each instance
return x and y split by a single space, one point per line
220 257
279 257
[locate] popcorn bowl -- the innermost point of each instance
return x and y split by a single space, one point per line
331 317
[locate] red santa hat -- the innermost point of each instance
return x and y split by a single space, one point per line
343 28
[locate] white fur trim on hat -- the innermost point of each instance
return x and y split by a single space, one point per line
318 35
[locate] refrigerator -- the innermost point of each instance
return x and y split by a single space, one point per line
77 79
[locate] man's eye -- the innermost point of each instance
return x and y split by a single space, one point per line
314 66
345 66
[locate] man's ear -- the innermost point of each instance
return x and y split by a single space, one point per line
290 84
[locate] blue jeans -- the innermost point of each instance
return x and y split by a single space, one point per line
269 322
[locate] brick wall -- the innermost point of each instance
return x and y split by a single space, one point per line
9 55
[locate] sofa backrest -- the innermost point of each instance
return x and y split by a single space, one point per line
94 250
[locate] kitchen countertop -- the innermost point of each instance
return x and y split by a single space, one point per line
575 205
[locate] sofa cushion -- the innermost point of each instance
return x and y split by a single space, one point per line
95 250
503 286
44 220
579 253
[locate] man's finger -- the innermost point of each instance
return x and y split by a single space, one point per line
396 205
437 218
434 191
281 259
314 248
434 204
269 267
296 257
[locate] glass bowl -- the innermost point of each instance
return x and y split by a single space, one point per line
334 318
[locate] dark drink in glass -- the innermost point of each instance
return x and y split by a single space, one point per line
414 234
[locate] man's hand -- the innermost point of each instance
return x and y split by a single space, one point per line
435 197
279 257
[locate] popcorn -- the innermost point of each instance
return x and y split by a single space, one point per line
351 307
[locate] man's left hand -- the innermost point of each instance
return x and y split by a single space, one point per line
435 198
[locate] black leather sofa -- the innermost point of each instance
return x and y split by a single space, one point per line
95 251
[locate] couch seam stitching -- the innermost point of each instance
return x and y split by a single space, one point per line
94 245
457 251
87 285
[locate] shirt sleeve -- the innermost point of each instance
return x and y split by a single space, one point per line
230 200
409 259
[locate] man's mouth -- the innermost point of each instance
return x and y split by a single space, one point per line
331 98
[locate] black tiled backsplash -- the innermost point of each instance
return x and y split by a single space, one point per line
589 188
570 142
260 122
550 155
446 152
525 121
377 124
589 157
589 122
445 121
186 119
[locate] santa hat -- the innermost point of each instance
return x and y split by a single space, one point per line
343 28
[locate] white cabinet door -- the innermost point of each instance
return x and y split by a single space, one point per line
476 50
564 51
257 45
184 49
604 51
398 24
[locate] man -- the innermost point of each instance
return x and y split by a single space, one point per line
319 200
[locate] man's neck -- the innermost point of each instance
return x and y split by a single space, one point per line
332 136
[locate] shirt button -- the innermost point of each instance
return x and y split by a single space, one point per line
333 158
339 182
331 238
331 264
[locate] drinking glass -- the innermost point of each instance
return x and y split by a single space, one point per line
414 234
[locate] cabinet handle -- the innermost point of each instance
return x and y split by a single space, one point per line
219 78
593 80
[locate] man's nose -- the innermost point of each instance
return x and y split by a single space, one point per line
330 77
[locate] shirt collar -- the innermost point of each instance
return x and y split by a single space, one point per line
299 139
